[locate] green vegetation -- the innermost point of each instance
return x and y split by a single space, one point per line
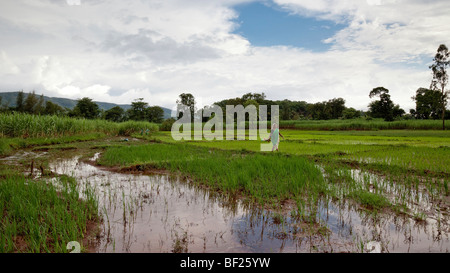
21 130
441 62
264 178
377 169
383 108
32 126
389 171
382 160
85 108
140 111
362 124
8 145
42 105
39 216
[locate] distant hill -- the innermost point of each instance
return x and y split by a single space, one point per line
10 98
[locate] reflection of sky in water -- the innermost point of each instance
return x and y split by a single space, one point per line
160 210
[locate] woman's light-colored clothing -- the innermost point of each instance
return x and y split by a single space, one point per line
275 137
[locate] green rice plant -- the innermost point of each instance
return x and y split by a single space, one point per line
395 164
262 177
371 200
39 216
351 124
361 124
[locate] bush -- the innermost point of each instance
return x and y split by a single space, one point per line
167 124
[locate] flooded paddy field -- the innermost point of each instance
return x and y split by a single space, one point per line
163 212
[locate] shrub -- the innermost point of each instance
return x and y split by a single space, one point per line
167 124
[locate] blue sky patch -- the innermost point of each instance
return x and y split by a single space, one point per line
266 24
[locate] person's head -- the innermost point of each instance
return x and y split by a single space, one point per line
274 126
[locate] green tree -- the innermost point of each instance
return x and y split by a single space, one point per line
86 108
440 76
155 114
299 109
259 98
319 111
39 107
167 124
116 114
383 108
351 113
2 107
332 109
286 109
138 110
252 102
30 103
336 107
188 100
53 109
20 102
428 104
397 111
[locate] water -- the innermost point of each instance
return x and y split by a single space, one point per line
164 213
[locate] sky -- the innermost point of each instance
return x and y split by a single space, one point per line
118 51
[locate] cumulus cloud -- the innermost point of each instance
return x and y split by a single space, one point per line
393 30
118 51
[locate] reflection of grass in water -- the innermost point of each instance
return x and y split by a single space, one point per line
180 244
261 177
40 216
407 158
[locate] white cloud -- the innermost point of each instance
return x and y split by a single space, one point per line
7 67
395 30
118 51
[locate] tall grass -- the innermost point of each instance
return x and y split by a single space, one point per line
38 216
34 126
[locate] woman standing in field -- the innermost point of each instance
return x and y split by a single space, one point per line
274 136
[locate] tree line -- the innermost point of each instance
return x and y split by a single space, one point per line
427 106
430 102
85 108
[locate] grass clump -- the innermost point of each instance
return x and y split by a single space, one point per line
263 177
38 216
371 200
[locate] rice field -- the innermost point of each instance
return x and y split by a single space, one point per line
363 124
382 173
263 178
38 216
392 165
